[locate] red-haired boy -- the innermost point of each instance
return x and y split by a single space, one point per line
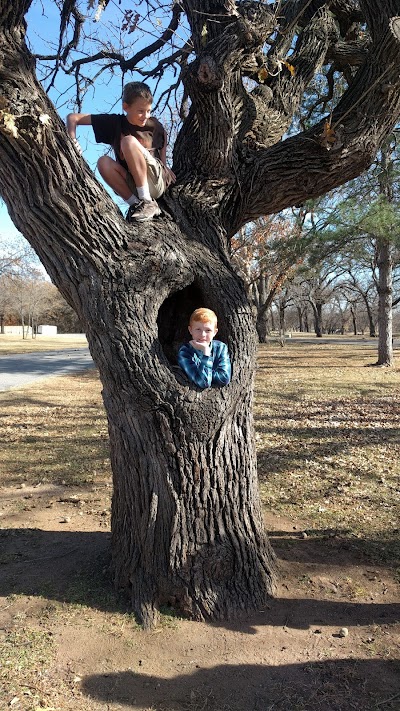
205 361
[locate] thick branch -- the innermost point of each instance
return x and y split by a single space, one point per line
12 13
213 82
308 165
277 101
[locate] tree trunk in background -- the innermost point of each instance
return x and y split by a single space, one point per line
317 312
385 312
262 327
300 318
371 322
354 319
384 261
260 297
282 309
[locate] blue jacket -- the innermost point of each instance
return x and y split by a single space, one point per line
203 370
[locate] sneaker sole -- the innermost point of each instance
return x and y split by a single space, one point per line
145 219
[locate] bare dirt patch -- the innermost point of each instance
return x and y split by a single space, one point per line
68 642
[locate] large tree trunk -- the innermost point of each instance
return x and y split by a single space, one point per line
186 522
191 533
385 313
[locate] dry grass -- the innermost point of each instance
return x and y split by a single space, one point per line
17 344
54 432
327 427
328 439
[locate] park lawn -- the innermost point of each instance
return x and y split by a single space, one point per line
327 432
328 440
16 344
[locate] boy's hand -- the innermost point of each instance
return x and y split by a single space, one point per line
203 347
77 145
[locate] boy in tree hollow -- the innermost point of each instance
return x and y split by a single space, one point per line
205 361
139 173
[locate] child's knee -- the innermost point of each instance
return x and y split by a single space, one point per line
103 163
130 143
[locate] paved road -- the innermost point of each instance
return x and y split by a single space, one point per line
18 369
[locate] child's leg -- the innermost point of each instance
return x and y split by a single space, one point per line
116 176
146 172
134 156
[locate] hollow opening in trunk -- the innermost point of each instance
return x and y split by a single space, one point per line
174 314
173 318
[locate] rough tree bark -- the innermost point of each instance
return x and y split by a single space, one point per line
317 312
385 307
186 521
384 262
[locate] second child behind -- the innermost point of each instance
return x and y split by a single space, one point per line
139 173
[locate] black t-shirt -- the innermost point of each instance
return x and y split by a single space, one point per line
109 128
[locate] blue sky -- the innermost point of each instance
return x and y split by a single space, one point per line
43 23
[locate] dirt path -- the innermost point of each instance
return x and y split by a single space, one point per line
69 644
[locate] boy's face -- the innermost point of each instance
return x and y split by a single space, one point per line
202 331
138 111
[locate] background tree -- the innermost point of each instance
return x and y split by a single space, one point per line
29 299
16 259
266 254
186 522
363 235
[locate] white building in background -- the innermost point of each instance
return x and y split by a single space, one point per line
47 330
42 330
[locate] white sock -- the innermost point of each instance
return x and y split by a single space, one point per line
133 200
143 192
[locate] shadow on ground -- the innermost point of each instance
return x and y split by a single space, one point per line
338 685
71 567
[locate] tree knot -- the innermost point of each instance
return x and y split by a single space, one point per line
208 74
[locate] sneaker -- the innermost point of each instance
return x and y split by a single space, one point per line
131 210
144 211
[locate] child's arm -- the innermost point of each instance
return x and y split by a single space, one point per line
196 365
74 120
221 371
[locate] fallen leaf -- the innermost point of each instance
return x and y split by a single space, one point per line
328 136
262 74
290 67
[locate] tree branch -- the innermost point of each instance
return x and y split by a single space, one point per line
129 64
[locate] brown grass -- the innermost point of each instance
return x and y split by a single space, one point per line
54 432
328 440
16 344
